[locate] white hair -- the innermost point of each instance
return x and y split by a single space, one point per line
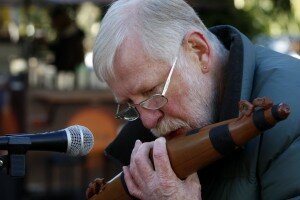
160 24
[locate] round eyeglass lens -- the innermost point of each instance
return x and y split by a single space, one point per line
130 114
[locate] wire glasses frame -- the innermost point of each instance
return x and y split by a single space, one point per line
154 102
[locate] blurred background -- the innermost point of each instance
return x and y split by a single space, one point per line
47 81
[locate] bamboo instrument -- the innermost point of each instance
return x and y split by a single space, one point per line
190 153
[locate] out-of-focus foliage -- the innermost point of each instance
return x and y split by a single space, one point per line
253 17
34 20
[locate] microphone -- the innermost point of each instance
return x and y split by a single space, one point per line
74 141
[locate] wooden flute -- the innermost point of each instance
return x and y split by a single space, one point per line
193 152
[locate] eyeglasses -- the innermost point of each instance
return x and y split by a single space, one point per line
154 102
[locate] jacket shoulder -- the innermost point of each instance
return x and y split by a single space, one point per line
277 77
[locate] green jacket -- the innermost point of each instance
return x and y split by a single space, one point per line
268 166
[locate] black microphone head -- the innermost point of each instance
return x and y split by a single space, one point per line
80 140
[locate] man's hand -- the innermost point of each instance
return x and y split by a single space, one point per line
145 181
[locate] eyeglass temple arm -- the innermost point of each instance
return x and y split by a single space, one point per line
169 77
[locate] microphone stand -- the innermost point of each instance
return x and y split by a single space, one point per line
14 161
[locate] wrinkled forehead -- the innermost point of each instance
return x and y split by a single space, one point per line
130 57
133 68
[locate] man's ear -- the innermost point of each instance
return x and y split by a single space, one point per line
196 43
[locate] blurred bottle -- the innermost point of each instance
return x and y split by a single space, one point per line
65 81
82 77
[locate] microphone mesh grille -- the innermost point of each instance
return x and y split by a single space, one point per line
81 140
88 141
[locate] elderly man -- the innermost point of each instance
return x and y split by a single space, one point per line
171 75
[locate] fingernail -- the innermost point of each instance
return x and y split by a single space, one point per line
161 140
138 142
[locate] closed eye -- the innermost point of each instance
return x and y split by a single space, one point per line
149 92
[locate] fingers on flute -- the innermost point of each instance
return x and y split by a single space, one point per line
161 160
263 102
142 162
245 108
140 171
131 186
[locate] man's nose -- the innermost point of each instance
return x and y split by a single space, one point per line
150 118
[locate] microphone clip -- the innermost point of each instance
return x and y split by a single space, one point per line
14 161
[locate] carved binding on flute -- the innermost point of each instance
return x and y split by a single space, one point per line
190 153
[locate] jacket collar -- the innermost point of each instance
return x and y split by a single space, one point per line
239 71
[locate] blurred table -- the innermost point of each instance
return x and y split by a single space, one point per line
73 97
53 99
